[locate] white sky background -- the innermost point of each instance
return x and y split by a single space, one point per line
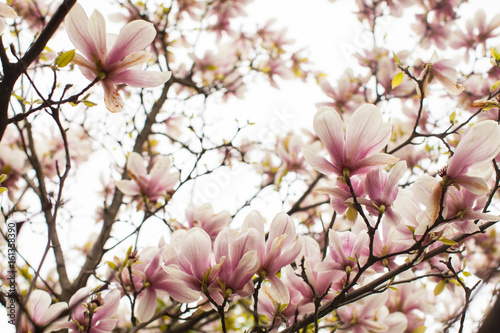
331 33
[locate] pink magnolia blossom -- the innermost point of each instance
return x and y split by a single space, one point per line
159 182
347 96
347 249
112 63
479 146
287 303
94 315
359 149
477 31
153 282
382 189
324 281
371 315
240 264
225 277
464 207
444 72
203 217
7 12
282 245
195 267
42 313
289 149
341 197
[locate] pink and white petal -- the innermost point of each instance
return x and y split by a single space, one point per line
320 164
282 224
179 291
160 168
476 185
147 305
254 220
133 37
39 303
479 145
365 133
97 29
111 303
136 59
83 63
397 171
2 25
369 162
279 290
7 12
287 255
53 314
330 129
474 215
141 79
135 165
188 280
128 187
246 268
104 326
112 98
194 257
78 31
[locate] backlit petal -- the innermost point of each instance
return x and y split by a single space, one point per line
135 36
330 129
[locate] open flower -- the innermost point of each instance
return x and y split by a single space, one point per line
157 183
42 313
112 64
359 149
93 313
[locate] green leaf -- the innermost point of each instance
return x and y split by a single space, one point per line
398 79
3 189
396 58
466 274
420 329
112 265
495 85
495 54
448 242
2 177
453 116
64 59
89 104
351 214
439 287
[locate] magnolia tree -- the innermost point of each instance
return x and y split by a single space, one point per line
387 209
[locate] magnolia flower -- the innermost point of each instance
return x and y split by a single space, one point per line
112 64
444 72
356 151
7 12
155 282
371 315
346 250
281 246
203 217
94 315
478 146
229 276
382 188
42 313
157 183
